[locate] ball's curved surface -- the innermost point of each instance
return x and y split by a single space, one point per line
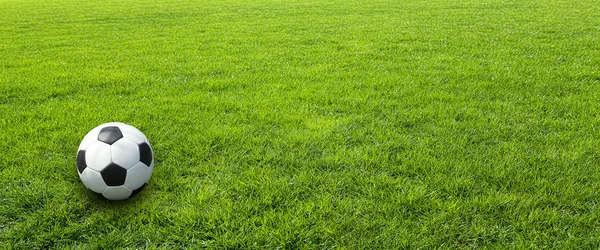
115 160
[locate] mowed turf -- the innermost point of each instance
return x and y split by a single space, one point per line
306 124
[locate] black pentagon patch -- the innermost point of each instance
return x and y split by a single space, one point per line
137 190
81 165
145 154
110 134
114 175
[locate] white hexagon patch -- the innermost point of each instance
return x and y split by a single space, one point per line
137 176
97 156
132 133
125 153
117 193
93 180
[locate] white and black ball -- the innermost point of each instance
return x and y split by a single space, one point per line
115 160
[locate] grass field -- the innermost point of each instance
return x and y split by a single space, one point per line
306 124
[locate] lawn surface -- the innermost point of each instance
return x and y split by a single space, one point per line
306 124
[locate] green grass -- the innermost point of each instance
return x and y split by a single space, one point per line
306 124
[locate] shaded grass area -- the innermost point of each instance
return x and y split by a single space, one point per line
306 124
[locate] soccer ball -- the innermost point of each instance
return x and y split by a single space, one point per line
115 160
